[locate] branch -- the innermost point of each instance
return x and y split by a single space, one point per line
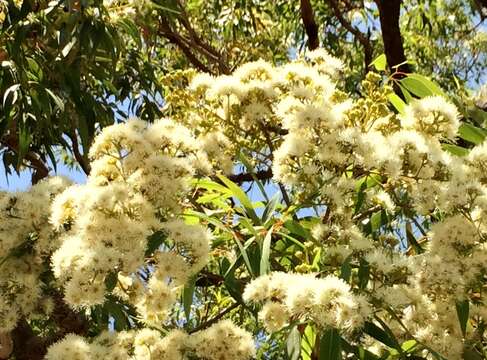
176 39
192 43
6 345
215 319
364 40
482 8
367 213
389 13
247 177
29 346
309 24
41 170
209 51
80 158
209 279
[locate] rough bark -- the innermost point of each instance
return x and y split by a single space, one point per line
310 25
389 14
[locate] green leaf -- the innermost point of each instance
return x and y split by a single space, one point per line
293 344
364 354
330 345
266 250
397 102
412 239
292 239
20 250
167 7
455 149
381 335
67 48
359 352
416 87
84 134
270 207
131 29
52 157
472 133
471 353
111 281
188 293
363 274
251 170
409 345
227 270
241 196
211 185
297 229
462 313
308 342
255 255
421 86
210 219
11 90
377 220
360 188
243 253
380 62
57 99
120 318
346 269
25 138
154 241
407 95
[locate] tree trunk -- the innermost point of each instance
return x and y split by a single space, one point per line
389 12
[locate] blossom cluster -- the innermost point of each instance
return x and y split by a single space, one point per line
26 242
360 162
372 171
138 179
328 302
222 341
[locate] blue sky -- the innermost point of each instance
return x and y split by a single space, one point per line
21 182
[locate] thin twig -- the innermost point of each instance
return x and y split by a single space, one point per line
364 40
215 319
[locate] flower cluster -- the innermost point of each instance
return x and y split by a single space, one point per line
222 341
26 242
373 171
328 302
403 221
139 177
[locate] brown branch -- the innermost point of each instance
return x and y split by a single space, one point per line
29 346
209 279
174 38
80 158
215 319
482 8
247 177
361 38
209 51
367 213
389 13
192 43
41 170
6 345
310 25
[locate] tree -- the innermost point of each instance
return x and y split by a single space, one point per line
366 233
